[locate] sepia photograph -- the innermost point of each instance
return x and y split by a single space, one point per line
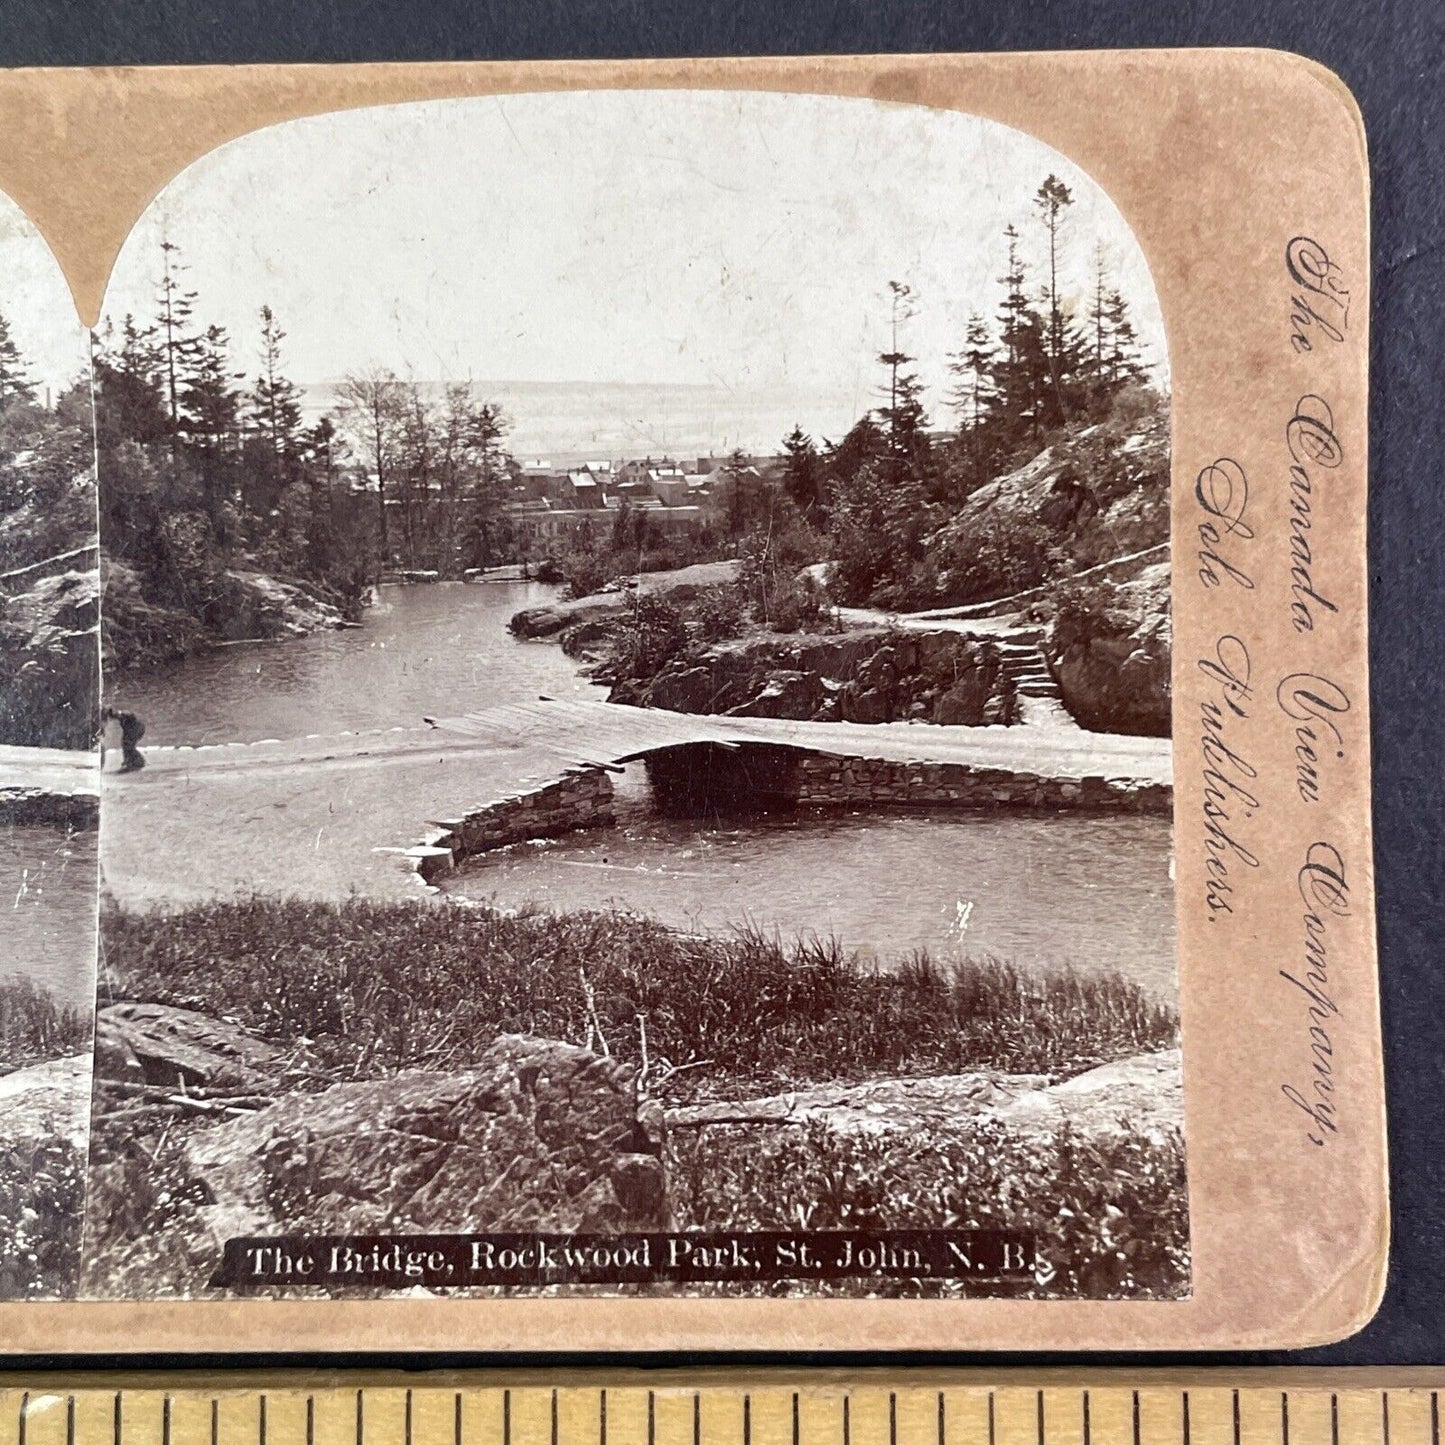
49 781
634 709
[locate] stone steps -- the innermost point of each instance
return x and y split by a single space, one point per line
1025 666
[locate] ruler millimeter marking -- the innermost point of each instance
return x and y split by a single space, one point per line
719 1413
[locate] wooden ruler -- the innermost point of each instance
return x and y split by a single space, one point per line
731 1407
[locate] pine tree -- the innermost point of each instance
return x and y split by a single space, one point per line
1096 319
1022 364
1052 200
903 418
1122 361
487 426
15 385
129 402
801 473
973 394
176 344
275 400
210 405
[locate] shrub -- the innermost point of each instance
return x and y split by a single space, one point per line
717 612
797 605
998 556
1110 1215
42 1201
583 573
1086 608
647 639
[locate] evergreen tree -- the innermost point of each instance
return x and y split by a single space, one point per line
487 426
129 402
904 422
15 385
1097 299
175 342
863 443
1022 363
1052 200
210 405
1122 362
275 400
801 472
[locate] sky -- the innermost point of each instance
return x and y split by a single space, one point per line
37 305
723 239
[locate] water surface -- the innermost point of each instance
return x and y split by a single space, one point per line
429 650
1044 890
47 909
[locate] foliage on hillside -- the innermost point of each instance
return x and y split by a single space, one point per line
49 595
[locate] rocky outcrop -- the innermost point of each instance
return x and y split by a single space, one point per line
260 606
49 661
681 584
1143 1095
153 1043
1096 494
537 1135
47 1101
242 606
1109 649
871 676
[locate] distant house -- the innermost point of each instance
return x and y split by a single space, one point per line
586 491
539 522
669 486
541 481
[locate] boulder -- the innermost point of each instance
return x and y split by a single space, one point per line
882 671
47 1101
1111 657
1138 1096
536 1136
153 1043
583 638
964 703
683 689
555 617
785 695
865 705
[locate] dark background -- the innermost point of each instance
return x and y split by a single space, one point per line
1391 53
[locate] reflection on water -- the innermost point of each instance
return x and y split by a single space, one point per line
1038 890
47 909
428 650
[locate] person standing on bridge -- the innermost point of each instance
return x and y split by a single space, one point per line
132 730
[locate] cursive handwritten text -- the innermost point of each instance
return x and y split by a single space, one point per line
1326 896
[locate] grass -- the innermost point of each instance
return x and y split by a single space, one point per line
359 989
35 1028
362 988
1110 1215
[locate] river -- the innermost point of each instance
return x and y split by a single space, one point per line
1044 890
